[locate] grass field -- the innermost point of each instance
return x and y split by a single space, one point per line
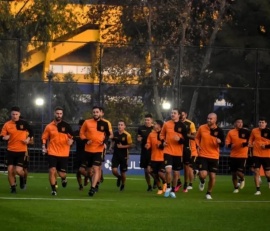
133 209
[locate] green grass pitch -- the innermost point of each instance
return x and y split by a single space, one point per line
133 209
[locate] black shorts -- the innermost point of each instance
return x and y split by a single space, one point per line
262 161
120 160
208 164
174 161
250 162
145 158
186 155
15 158
58 162
93 159
157 166
237 164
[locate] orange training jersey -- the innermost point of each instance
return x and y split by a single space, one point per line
257 138
238 143
18 132
154 142
94 131
193 147
206 139
57 135
169 130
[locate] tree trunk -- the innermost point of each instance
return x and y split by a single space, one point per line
206 59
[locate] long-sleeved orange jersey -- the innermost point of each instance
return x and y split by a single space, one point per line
257 138
237 140
206 139
169 130
57 136
18 132
154 143
95 131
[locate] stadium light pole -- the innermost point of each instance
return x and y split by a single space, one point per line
39 103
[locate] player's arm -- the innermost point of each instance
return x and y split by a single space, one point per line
148 142
228 140
4 133
198 138
251 139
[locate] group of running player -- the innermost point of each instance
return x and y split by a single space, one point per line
166 148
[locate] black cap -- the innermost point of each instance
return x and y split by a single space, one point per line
15 108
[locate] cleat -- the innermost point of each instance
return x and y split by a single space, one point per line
21 182
80 187
257 193
122 187
86 181
185 190
167 192
54 193
201 186
64 183
178 186
149 189
118 182
172 195
236 190
13 190
208 197
189 187
91 192
164 187
159 192
242 184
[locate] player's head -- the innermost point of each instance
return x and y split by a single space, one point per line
211 119
158 125
102 111
238 123
183 115
175 114
121 125
15 113
262 123
58 113
148 120
96 112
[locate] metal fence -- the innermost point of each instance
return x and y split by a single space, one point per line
131 80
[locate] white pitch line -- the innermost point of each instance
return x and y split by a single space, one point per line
52 199
238 201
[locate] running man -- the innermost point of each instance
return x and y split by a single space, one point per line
209 139
56 141
120 144
237 140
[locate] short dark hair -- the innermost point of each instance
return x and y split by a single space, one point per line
262 118
15 108
160 122
148 115
122 121
183 110
96 107
58 108
237 119
177 109
101 109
